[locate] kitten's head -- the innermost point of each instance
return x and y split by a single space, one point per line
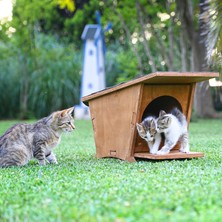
147 129
163 122
63 120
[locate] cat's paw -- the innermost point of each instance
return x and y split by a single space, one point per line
162 152
53 161
153 152
42 162
52 158
184 151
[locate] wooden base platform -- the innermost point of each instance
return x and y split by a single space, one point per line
174 154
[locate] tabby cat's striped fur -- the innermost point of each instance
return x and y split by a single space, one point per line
22 142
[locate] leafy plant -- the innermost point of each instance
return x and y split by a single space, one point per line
9 82
214 33
53 72
55 79
121 65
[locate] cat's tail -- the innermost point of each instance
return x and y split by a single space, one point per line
176 112
179 115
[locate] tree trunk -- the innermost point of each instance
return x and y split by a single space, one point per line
203 104
24 89
135 51
205 108
171 39
183 49
161 47
145 42
203 101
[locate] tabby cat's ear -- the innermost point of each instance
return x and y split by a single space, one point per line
162 112
63 112
56 115
71 111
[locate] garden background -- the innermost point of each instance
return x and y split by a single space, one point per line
40 72
41 49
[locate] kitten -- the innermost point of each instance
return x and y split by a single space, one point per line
147 131
174 127
22 142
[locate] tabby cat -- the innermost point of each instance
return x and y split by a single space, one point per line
174 127
22 142
147 131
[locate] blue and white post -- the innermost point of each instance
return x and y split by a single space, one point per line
93 72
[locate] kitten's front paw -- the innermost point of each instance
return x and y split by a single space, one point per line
162 152
153 152
184 151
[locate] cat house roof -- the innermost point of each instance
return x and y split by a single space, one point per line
160 78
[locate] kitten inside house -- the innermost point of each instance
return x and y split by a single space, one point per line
22 142
147 131
174 127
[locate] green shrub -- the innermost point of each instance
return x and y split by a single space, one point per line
51 72
9 82
56 78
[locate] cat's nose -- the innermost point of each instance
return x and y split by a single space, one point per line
73 126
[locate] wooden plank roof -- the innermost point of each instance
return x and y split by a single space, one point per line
163 78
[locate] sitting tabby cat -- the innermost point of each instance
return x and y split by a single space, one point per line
147 131
174 127
22 142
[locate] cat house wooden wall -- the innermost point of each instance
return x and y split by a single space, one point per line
116 110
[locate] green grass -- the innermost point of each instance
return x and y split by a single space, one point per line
83 188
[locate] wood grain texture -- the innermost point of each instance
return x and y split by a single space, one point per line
114 117
172 155
158 78
163 97
116 110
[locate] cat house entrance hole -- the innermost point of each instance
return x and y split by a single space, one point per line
116 110
166 103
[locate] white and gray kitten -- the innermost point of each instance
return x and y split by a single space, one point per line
174 127
147 131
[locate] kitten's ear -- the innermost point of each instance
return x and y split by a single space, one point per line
139 127
168 120
152 122
162 112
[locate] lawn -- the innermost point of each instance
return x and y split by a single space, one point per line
83 188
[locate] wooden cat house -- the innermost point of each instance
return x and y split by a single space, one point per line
116 110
